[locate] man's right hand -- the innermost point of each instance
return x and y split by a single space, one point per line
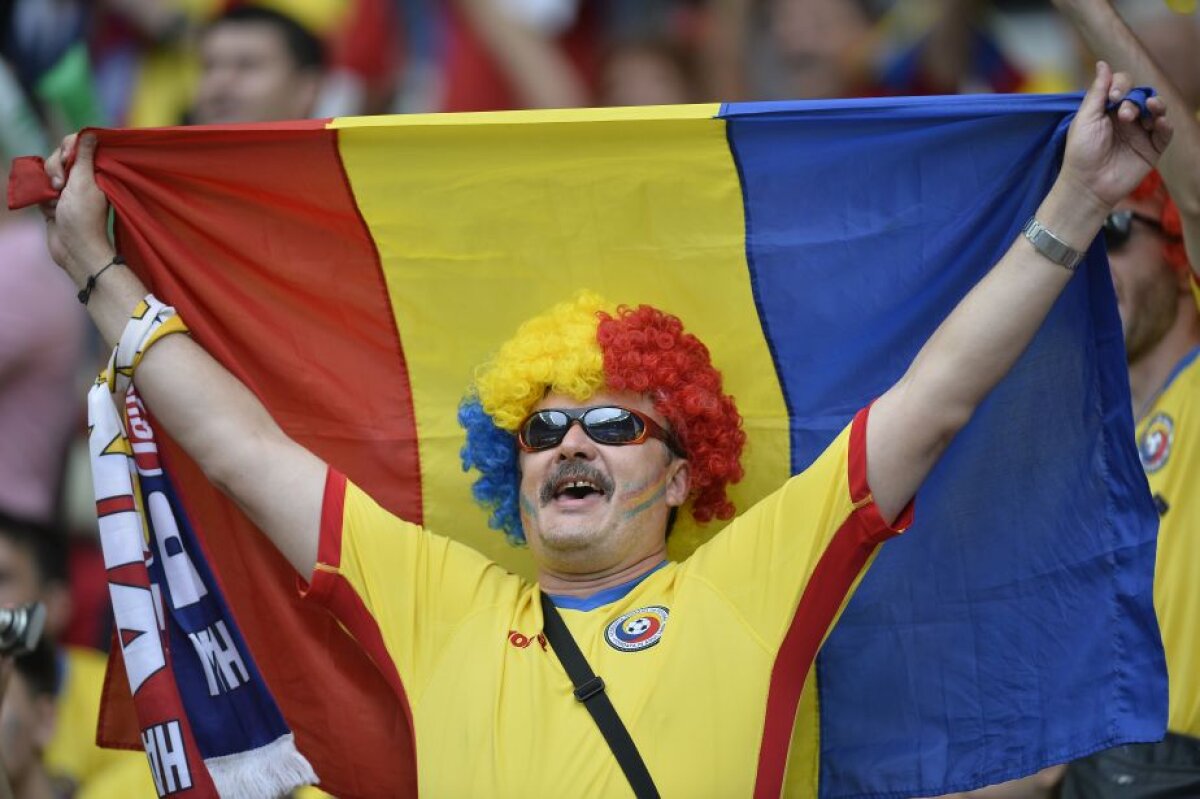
77 223
218 421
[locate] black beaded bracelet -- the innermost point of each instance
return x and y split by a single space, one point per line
85 293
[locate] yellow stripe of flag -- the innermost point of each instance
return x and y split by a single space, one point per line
480 225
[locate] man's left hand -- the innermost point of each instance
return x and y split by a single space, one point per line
1109 152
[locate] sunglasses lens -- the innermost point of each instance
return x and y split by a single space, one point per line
1116 230
605 425
545 429
612 425
1114 238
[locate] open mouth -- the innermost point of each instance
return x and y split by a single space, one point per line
578 489
574 485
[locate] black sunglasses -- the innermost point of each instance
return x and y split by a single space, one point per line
604 424
1118 227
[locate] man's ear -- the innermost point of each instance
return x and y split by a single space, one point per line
679 482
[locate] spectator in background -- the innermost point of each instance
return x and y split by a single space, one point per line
651 54
27 720
1173 38
43 336
518 54
647 72
1154 249
786 49
43 44
256 65
790 49
33 568
148 60
821 44
942 47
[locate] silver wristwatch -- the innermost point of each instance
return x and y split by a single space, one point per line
1052 246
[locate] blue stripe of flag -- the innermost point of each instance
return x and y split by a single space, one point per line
1012 627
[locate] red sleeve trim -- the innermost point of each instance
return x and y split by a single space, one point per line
843 561
329 547
856 459
329 542
860 489
335 593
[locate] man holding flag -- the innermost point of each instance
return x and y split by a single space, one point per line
462 643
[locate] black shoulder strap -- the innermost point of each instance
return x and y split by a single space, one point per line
589 689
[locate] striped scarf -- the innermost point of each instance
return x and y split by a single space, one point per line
208 721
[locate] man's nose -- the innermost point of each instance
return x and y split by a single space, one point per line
576 443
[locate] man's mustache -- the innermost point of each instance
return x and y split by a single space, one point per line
569 472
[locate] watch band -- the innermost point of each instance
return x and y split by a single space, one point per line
1052 246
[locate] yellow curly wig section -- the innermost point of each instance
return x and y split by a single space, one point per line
554 351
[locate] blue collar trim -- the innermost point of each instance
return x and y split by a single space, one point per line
1184 363
601 598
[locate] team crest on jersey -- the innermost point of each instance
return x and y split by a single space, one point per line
1154 447
638 629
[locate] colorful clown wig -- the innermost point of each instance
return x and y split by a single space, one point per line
1153 190
580 348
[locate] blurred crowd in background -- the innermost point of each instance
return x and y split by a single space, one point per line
161 62
66 64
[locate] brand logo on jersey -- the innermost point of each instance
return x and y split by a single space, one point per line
523 641
1154 447
638 629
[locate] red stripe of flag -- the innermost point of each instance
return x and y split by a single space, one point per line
313 257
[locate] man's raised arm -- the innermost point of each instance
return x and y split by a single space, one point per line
215 418
1110 38
1107 154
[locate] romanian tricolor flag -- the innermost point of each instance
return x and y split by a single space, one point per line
353 272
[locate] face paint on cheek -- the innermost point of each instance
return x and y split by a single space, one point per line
642 498
528 507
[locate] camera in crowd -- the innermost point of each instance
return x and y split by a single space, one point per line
20 628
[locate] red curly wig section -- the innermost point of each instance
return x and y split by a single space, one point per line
647 351
1153 190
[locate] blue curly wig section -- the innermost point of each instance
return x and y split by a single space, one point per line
493 452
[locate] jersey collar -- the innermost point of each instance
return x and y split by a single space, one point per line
601 598
1184 363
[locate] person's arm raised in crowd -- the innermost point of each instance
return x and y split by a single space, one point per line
1110 38
1107 154
215 418
540 75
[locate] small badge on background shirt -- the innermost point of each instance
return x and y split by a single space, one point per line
638 629
1154 447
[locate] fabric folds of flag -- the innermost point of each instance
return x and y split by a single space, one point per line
354 271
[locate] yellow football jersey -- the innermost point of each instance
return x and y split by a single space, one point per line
1169 445
704 660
